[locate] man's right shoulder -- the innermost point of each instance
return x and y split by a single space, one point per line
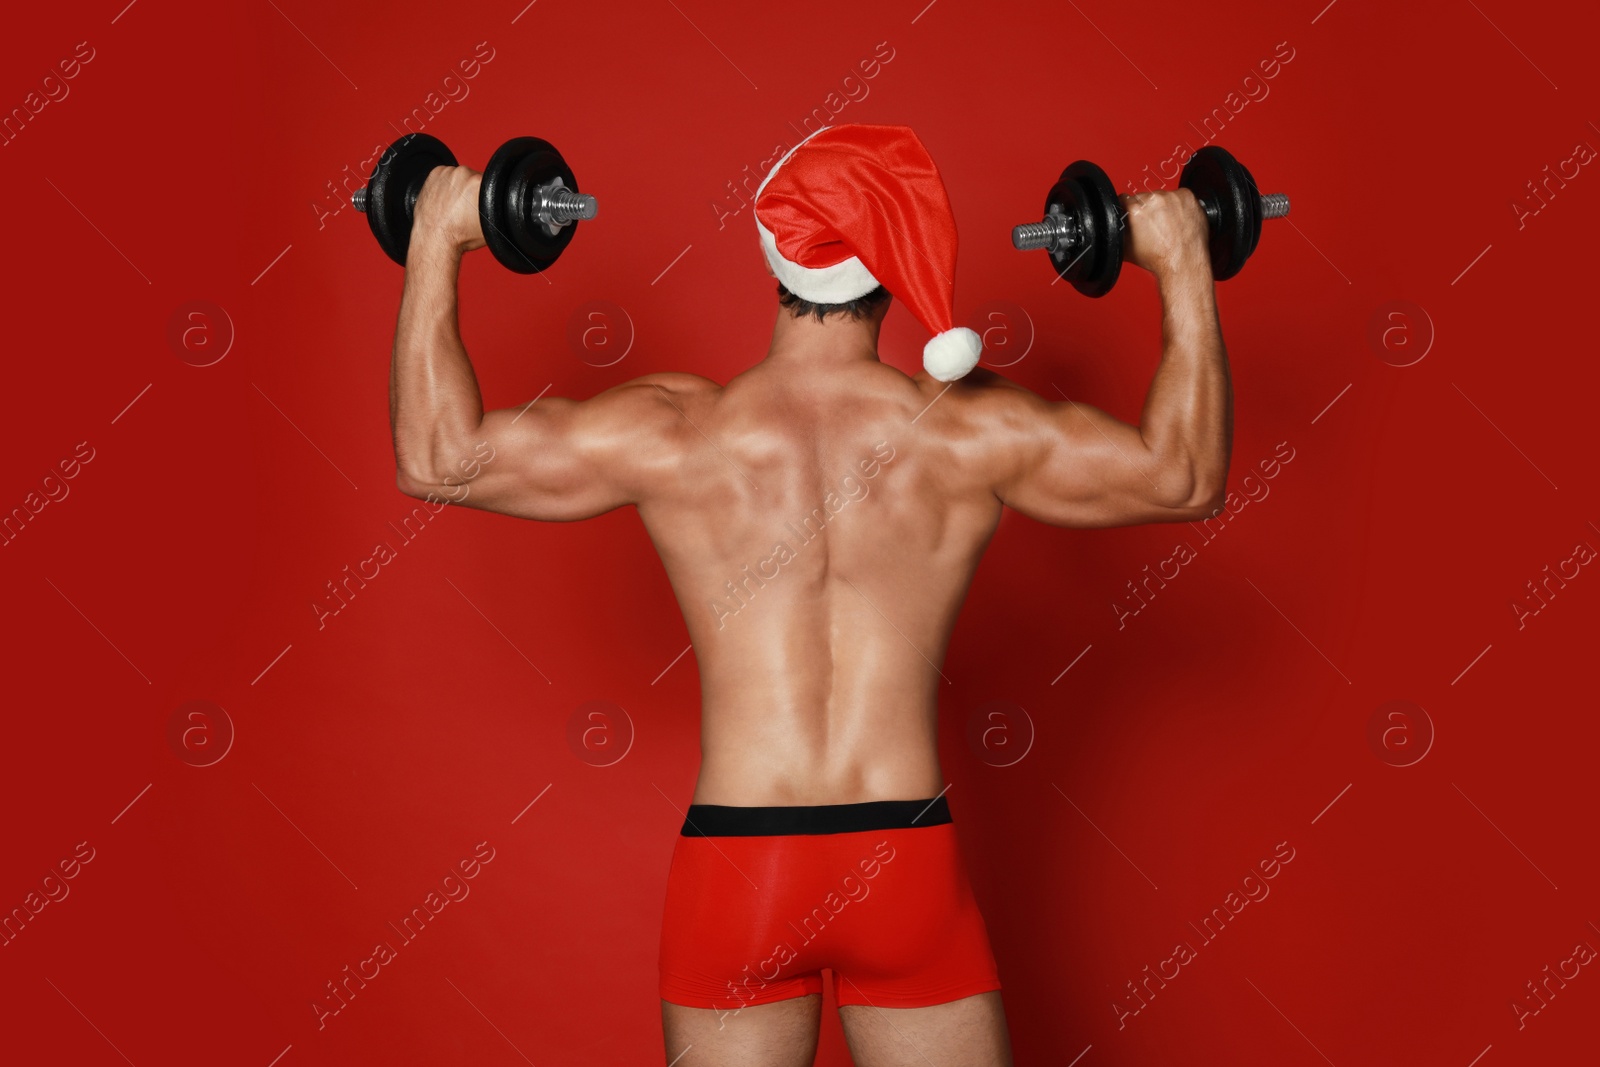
679 383
660 391
668 402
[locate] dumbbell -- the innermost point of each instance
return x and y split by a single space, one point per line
1082 226
528 201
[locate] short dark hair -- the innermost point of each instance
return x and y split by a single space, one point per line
859 308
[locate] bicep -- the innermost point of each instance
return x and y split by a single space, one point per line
560 460
1071 464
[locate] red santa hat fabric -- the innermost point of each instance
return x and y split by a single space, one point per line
854 206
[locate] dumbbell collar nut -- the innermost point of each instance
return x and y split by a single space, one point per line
1056 233
555 206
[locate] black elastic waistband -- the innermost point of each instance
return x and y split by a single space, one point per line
719 820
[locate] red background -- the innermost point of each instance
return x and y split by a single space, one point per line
373 754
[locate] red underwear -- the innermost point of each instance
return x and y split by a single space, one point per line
760 900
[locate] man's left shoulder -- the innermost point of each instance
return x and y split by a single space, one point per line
980 393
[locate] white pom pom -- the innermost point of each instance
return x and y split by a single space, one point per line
951 354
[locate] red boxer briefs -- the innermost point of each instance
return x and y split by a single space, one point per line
760 900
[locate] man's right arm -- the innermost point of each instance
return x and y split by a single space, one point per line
561 460
551 459
1069 464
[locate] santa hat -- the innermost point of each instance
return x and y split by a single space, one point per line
855 206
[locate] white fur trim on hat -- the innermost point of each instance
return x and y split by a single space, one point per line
837 284
951 354
842 282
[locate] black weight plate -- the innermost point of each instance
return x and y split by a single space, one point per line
510 228
1232 203
392 190
1085 195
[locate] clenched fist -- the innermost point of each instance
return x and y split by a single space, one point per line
447 209
1167 232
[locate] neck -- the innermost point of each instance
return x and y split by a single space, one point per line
837 340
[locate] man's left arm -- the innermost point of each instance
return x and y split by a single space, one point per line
553 459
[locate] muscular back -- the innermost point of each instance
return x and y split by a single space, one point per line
820 538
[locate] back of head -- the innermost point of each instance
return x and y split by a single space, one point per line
856 209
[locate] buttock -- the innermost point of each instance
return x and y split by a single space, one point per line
761 900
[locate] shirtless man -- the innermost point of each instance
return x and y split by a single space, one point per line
820 518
